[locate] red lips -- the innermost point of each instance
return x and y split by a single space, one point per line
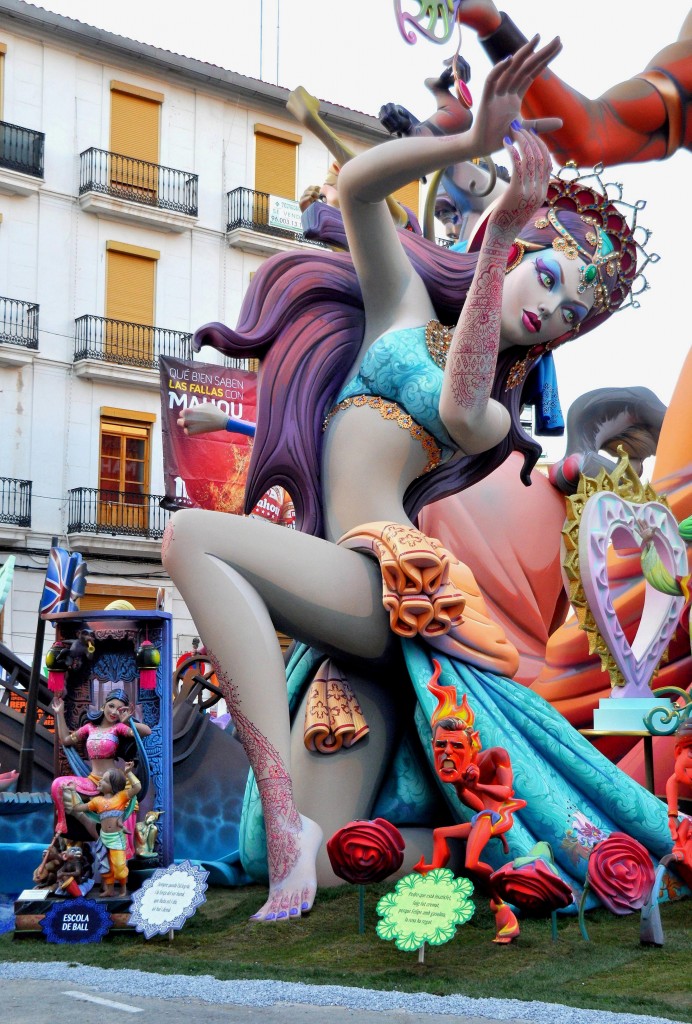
530 321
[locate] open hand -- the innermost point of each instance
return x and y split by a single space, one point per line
503 92
58 705
125 714
528 185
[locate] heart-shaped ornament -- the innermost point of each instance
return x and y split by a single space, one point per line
609 519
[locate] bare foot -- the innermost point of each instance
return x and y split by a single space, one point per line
106 894
295 894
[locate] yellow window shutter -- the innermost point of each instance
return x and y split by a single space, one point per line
130 297
135 126
275 166
409 196
130 288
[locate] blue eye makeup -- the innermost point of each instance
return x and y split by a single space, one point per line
547 274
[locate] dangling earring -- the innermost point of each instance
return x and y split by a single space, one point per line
518 373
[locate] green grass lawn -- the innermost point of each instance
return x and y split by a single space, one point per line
611 972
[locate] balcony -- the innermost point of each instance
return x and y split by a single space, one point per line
15 509
104 346
102 521
18 331
125 189
262 223
21 159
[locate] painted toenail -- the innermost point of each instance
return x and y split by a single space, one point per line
293 911
282 913
305 905
270 917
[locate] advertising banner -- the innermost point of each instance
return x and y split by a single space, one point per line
209 470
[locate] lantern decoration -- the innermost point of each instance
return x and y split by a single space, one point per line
148 660
57 665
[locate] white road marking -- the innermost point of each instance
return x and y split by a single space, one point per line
85 998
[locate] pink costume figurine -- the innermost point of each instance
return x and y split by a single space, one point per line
483 781
102 733
681 828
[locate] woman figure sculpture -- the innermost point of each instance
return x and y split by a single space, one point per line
366 415
103 732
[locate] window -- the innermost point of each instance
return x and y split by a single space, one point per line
275 161
130 291
98 595
124 461
3 51
135 116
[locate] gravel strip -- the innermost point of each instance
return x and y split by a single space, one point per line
269 993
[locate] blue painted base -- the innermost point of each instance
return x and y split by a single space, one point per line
625 714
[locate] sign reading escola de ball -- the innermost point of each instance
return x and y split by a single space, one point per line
425 908
168 898
77 920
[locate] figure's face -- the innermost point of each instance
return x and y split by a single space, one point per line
111 710
683 766
541 299
105 788
453 754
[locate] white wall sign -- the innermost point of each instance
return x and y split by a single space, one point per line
168 898
285 214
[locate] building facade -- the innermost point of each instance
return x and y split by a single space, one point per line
139 191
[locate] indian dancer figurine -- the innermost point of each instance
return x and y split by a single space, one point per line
370 408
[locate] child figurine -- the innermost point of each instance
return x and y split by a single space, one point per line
116 791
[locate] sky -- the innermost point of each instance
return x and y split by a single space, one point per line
352 54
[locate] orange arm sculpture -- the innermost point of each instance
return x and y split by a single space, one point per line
646 117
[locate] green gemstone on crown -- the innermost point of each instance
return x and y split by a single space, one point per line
589 274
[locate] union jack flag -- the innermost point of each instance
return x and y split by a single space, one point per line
65 582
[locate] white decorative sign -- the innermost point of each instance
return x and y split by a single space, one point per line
284 214
168 898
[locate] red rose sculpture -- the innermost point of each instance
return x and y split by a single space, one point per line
621 873
366 851
536 888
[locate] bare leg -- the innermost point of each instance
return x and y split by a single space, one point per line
232 573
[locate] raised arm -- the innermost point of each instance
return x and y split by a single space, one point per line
67 738
642 118
474 420
393 294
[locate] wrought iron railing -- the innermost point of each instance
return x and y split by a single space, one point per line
261 212
21 149
15 501
138 180
19 322
444 243
119 513
233 363
118 341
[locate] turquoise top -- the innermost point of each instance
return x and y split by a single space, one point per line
399 367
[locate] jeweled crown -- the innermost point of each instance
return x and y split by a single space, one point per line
617 239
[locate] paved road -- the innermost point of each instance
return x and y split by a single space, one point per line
45 1002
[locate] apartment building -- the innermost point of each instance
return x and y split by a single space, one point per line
139 191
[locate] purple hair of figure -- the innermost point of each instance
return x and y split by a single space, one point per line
303 317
